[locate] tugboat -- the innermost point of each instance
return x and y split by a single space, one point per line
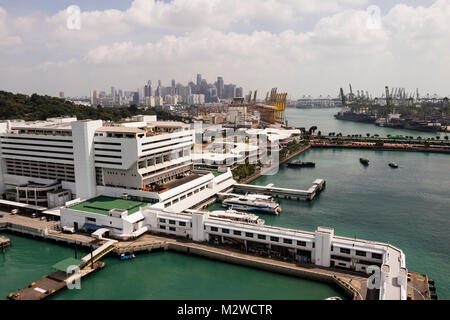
393 165
364 161
301 164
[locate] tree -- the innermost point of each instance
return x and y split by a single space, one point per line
368 135
446 137
312 129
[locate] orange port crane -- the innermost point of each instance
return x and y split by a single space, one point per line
272 109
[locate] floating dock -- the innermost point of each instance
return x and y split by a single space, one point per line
52 284
294 194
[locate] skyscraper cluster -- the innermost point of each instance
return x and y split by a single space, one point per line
193 93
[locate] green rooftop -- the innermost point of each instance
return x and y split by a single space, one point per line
103 205
64 264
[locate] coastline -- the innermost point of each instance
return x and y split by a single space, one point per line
257 174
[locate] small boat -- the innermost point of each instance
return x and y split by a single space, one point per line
393 165
124 256
364 161
301 164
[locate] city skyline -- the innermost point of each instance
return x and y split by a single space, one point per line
304 49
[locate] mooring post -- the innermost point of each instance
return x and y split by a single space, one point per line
92 258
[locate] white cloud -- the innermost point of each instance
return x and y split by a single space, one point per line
7 40
410 50
219 14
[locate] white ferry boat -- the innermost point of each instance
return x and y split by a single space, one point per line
253 203
238 216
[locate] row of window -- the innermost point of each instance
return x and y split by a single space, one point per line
173 222
37 169
38 145
260 236
189 194
360 253
170 228
31 150
36 156
108 150
35 139
109 162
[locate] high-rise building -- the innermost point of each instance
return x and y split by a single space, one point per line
229 91
61 94
113 94
136 97
199 79
239 92
220 87
147 91
173 84
94 97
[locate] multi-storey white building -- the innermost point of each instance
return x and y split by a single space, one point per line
142 158
321 248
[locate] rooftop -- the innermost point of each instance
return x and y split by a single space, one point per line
103 204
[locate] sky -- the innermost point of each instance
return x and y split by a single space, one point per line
303 47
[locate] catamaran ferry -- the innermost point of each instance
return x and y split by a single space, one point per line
255 203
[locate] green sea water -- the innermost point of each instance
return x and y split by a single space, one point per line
159 275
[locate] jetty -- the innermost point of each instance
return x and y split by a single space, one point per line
318 186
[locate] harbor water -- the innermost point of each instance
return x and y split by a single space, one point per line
325 122
159 275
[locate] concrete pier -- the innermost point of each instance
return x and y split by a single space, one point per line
294 194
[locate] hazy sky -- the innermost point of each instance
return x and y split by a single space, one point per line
300 46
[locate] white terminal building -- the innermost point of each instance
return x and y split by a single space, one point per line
137 176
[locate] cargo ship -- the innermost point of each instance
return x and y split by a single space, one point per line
357 117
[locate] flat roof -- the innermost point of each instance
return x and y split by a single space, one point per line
22 205
120 129
66 263
103 204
